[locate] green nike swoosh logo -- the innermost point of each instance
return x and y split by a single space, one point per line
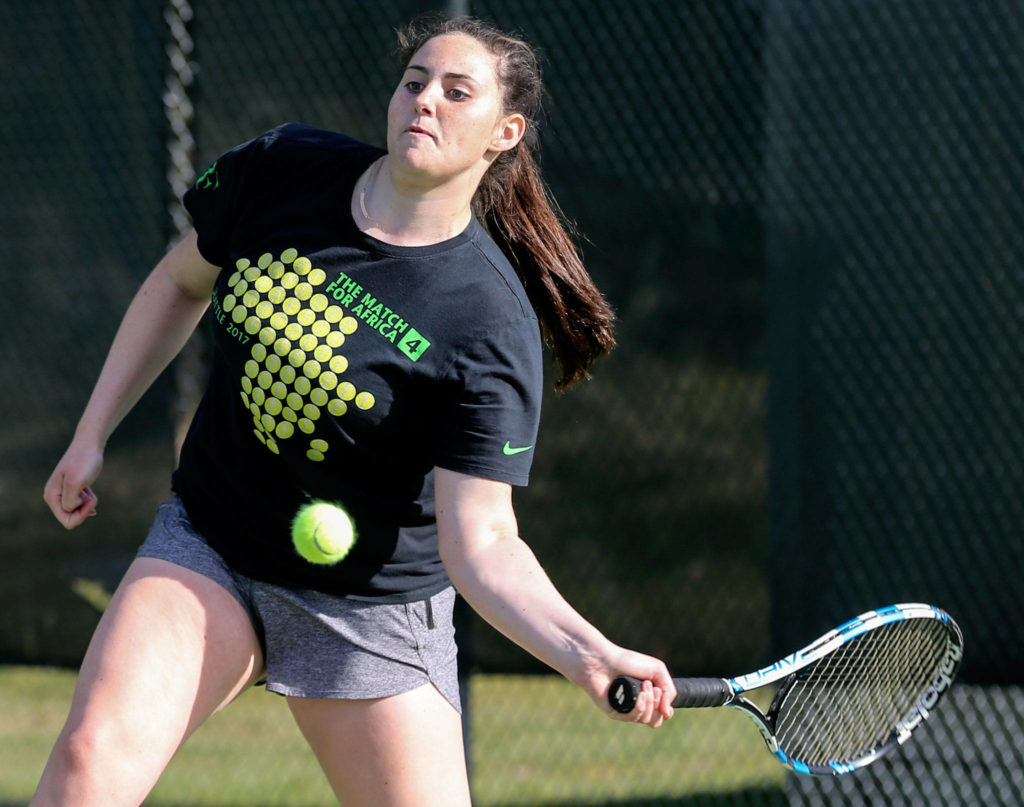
508 451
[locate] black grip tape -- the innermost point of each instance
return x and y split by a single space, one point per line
692 693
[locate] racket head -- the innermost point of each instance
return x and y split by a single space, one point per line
880 680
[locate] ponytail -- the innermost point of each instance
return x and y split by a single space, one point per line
575 319
518 211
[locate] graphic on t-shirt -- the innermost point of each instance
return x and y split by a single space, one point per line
209 180
295 332
377 315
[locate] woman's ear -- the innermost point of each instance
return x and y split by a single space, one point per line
509 132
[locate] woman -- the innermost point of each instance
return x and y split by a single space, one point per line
373 348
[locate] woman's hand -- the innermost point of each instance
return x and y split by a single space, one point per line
68 491
653 705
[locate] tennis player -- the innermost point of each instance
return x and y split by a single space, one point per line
379 319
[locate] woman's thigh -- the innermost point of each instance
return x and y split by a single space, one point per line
172 648
173 643
401 751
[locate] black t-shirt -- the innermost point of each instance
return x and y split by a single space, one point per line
346 369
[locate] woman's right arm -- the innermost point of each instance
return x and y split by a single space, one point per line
161 317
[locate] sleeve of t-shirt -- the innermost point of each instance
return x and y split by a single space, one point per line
213 201
490 417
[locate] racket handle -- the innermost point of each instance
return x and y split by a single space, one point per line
692 693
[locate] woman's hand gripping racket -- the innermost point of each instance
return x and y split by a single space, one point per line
847 698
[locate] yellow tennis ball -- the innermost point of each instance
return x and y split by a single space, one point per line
322 533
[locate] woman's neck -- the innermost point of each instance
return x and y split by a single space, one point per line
405 215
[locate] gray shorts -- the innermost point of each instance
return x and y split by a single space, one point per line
317 645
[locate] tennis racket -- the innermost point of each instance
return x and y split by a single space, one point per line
844 700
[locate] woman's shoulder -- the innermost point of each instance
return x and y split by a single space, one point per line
303 138
497 275
294 152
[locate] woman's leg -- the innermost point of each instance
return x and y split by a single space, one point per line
401 751
171 649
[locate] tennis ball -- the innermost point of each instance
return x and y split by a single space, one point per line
322 533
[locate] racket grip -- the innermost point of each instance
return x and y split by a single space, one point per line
692 693
696 693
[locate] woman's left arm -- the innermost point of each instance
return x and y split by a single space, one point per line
500 577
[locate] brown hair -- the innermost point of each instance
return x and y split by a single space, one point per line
519 212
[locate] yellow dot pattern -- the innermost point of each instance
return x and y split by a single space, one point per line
292 377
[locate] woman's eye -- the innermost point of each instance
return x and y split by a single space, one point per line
414 86
457 95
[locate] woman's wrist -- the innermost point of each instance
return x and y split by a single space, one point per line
587 655
90 436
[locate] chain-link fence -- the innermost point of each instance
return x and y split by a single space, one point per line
892 167
806 217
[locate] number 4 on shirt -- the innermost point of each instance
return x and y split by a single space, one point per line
413 344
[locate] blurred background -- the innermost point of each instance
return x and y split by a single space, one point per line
808 219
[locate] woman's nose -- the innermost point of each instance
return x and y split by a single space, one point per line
426 100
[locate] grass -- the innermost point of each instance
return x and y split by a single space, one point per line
536 741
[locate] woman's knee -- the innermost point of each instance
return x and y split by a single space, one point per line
81 747
86 761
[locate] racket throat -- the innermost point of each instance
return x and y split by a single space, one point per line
764 723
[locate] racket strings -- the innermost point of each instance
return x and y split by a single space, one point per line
880 685
834 705
847 704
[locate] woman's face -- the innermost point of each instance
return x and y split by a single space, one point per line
445 117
